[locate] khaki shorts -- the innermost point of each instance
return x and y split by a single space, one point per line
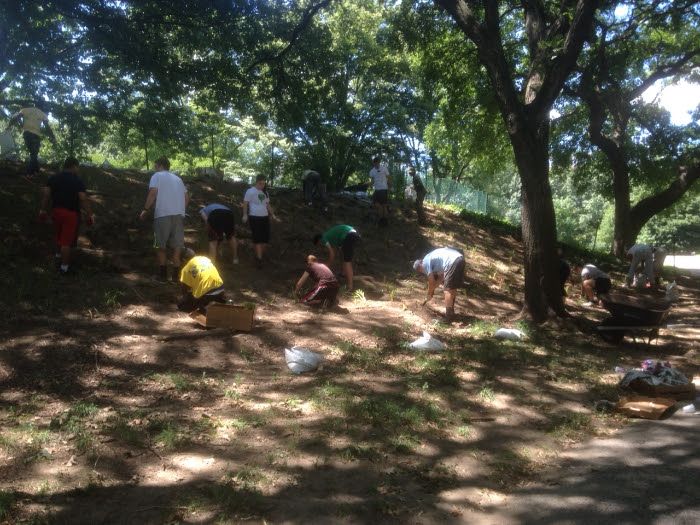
454 275
169 231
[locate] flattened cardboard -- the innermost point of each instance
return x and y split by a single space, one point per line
226 316
645 407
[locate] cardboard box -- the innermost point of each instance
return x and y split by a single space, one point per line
645 407
226 316
679 392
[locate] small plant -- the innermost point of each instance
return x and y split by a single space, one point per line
359 296
486 394
111 298
464 431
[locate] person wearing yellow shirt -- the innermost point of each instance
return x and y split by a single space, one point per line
202 282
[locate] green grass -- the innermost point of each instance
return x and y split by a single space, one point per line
170 437
358 452
483 328
177 380
572 426
360 357
486 394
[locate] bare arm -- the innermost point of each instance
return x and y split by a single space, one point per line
270 211
245 210
301 281
432 285
150 199
331 254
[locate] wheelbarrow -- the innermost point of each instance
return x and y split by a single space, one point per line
632 315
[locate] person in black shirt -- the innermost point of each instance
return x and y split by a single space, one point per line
67 195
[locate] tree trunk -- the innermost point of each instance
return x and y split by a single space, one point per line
539 231
621 194
213 153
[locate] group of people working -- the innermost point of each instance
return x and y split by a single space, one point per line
645 270
64 197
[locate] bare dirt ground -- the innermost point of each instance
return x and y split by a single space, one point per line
116 408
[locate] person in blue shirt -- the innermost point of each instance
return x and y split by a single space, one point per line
221 225
443 266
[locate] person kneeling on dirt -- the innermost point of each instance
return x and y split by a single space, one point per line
343 237
325 290
66 192
594 282
446 266
203 284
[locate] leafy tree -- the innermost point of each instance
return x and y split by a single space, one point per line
528 52
633 49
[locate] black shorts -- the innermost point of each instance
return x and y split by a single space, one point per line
322 292
380 196
602 285
260 229
222 225
348 246
454 275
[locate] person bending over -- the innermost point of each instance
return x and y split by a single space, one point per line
202 284
325 289
594 282
340 237
446 266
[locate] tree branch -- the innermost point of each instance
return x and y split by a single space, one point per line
306 19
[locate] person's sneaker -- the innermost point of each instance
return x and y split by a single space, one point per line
590 303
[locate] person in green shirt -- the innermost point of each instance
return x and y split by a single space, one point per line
340 237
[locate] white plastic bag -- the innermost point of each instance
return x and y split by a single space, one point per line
672 293
427 342
512 334
300 360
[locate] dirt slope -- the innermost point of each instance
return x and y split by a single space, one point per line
115 408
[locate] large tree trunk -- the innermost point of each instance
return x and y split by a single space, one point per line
542 286
622 238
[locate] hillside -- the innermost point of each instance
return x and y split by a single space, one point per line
115 407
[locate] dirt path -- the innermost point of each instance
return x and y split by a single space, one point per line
647 473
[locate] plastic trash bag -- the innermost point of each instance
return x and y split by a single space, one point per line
427 342
513 334
672 293
300 360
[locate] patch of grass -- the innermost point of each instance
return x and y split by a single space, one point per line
178 381
392 415
330 396
359 296
482 328
170 438
358 452
572 426
404 443
486 394
73 422
365 358
464 431
232 394
248 477
26 440
129 434
111 298
435 371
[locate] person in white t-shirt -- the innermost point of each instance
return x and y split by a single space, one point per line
32 119
594 282
257 211
169 195
381 180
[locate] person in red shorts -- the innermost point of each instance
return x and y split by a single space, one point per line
326 289
66 192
